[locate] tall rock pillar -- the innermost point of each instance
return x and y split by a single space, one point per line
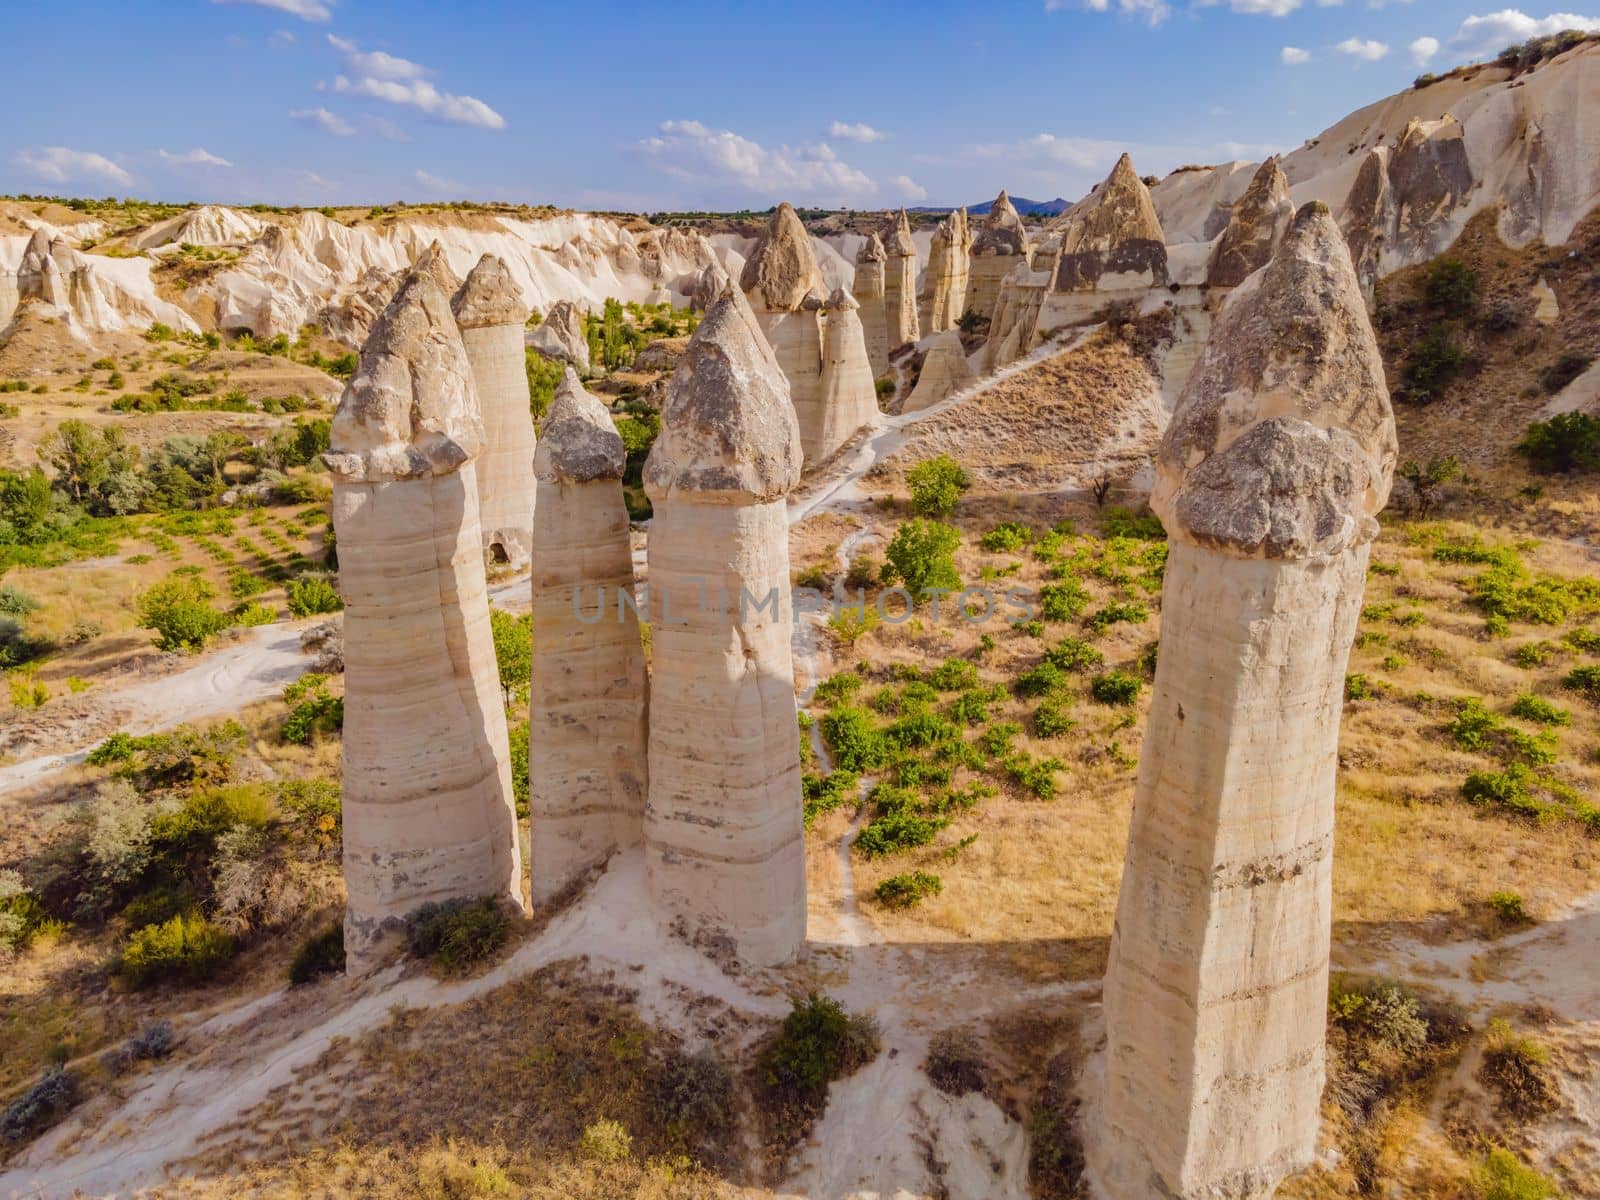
428 808
1279 455
868 289
723 836
900 282
944 287
1255 228
586 744
491 315
849 400
997 247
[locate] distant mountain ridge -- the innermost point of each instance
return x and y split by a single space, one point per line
1038 208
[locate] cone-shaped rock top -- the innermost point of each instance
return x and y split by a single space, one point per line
579 442
782 268
489 296
1255 227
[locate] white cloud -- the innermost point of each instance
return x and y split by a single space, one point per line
420 94
1493 32
1152 12
1294 56
321 118
306 10
438 183
59 164
1268 8
1365 49
859 132
1423 50
909 187
691 151
193 158
375 62
280 39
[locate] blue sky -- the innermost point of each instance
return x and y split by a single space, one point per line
676 105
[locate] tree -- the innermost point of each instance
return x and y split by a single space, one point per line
936 486
513 652
922 557
179 610
81 456
1429 480
1566 442
1451 286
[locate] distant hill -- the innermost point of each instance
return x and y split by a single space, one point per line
1038 208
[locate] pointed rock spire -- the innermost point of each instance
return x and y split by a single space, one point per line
1255 228
435 262
1116 232
489 296
580 441
782 268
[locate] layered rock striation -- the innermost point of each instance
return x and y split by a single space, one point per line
428 805
723 835
490 314
849 400
1269 479
1113 240
587 732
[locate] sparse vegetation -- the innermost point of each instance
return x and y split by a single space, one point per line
936 486
456 935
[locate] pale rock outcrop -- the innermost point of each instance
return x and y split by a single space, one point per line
997 248
868 290
1368 217
1113 241
1546 309
723 837
350 319
587 730
1014 328
434 261
428 806
90 293
944 284
783 285
1269 479
10 296
1255 228
490 314
944 372
1431 178
900 282
708 285
560 338
849 400
208 225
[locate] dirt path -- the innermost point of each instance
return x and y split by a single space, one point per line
245 672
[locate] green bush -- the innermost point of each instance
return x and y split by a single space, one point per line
936 486
606 1141
1564 370
856 742
897 830
1450 286
818 1043
1539 710
908 890
1585 681
1041 680
1508 789
1116 687
954 675
456 934
49 1099
189 949
695 1094
1049 721
921 556
513 653
824 793
314 711
1119 611
180 612
1435 361
837 688
1503 1176
1384 1012
1508 906
311 595
1062 601
1074 654
1566 442
320 954
1006 537
1146 526
1036 776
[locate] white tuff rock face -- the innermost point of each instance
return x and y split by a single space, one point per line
587 709
900 282
1113 239
1015 324
428 806
490 313
559 337
1255 228
723 836
868 288
944 284
88 294
999 246
944 372
1278 458
849 400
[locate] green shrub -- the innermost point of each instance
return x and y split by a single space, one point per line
695 1094
456 934
1006 538
1050 721
49 1099
1539 710
1563 371
1508 789
1062 601
1566 442
856 742
1036 776
1534 654
1384 1012
936 486
897 830
1130 611
954 675
824 793
180 612
1503 1176
1074 654
1041 680
908 890
1508 906
818 1043
955 1063
1435 361
320 954
837 688
996 740
921 556
1450 286
1585 681
1146 526
14 602
311 595
513 653
606 1141
21 914
1116 687
189 949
